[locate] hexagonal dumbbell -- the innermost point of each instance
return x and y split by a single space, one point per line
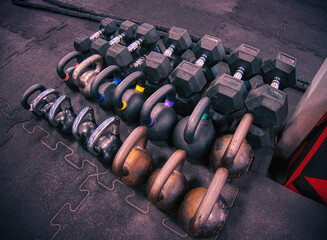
268 103
83 43
189 78
117 54
126 32
157 65
228 93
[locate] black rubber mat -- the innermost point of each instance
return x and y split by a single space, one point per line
52 188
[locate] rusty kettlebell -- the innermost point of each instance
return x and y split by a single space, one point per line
167 186
84 125
62 115
238 165
133 163
105 146
66 75
83 78
42 103
203 211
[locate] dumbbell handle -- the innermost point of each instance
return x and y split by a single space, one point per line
239 73
201 60
275 82
117 39
96 35
170 50
135 45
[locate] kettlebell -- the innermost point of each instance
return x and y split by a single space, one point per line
133 163
42 103
105 146
62 118
203 211
160 118
66 75
103 87
83 127
128 102
167 186
83 79
195 133
239 164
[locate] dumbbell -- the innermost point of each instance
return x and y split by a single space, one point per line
126 32
188 78
121 56
227 92
158 66
107 27
268 103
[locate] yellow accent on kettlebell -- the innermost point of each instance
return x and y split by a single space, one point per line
139 88
124 105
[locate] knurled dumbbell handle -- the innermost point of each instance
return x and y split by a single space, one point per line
135 45
96 35
170 50
201 60
117 39
275 82
239 73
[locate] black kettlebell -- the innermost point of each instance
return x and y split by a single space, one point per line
62 115
66 75
128 102
104 85
105 146
195 133
83 127
42 103
160 117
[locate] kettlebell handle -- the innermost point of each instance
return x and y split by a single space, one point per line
64 61
201 108
85 64
175 162
55 108
101 78
139 137
125 84
26 95
35 103
112 121
210 198
237 140
167 92
85 111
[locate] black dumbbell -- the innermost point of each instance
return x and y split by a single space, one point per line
126 32
268 103
121 56
228 93
158 66
83 43
189 78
